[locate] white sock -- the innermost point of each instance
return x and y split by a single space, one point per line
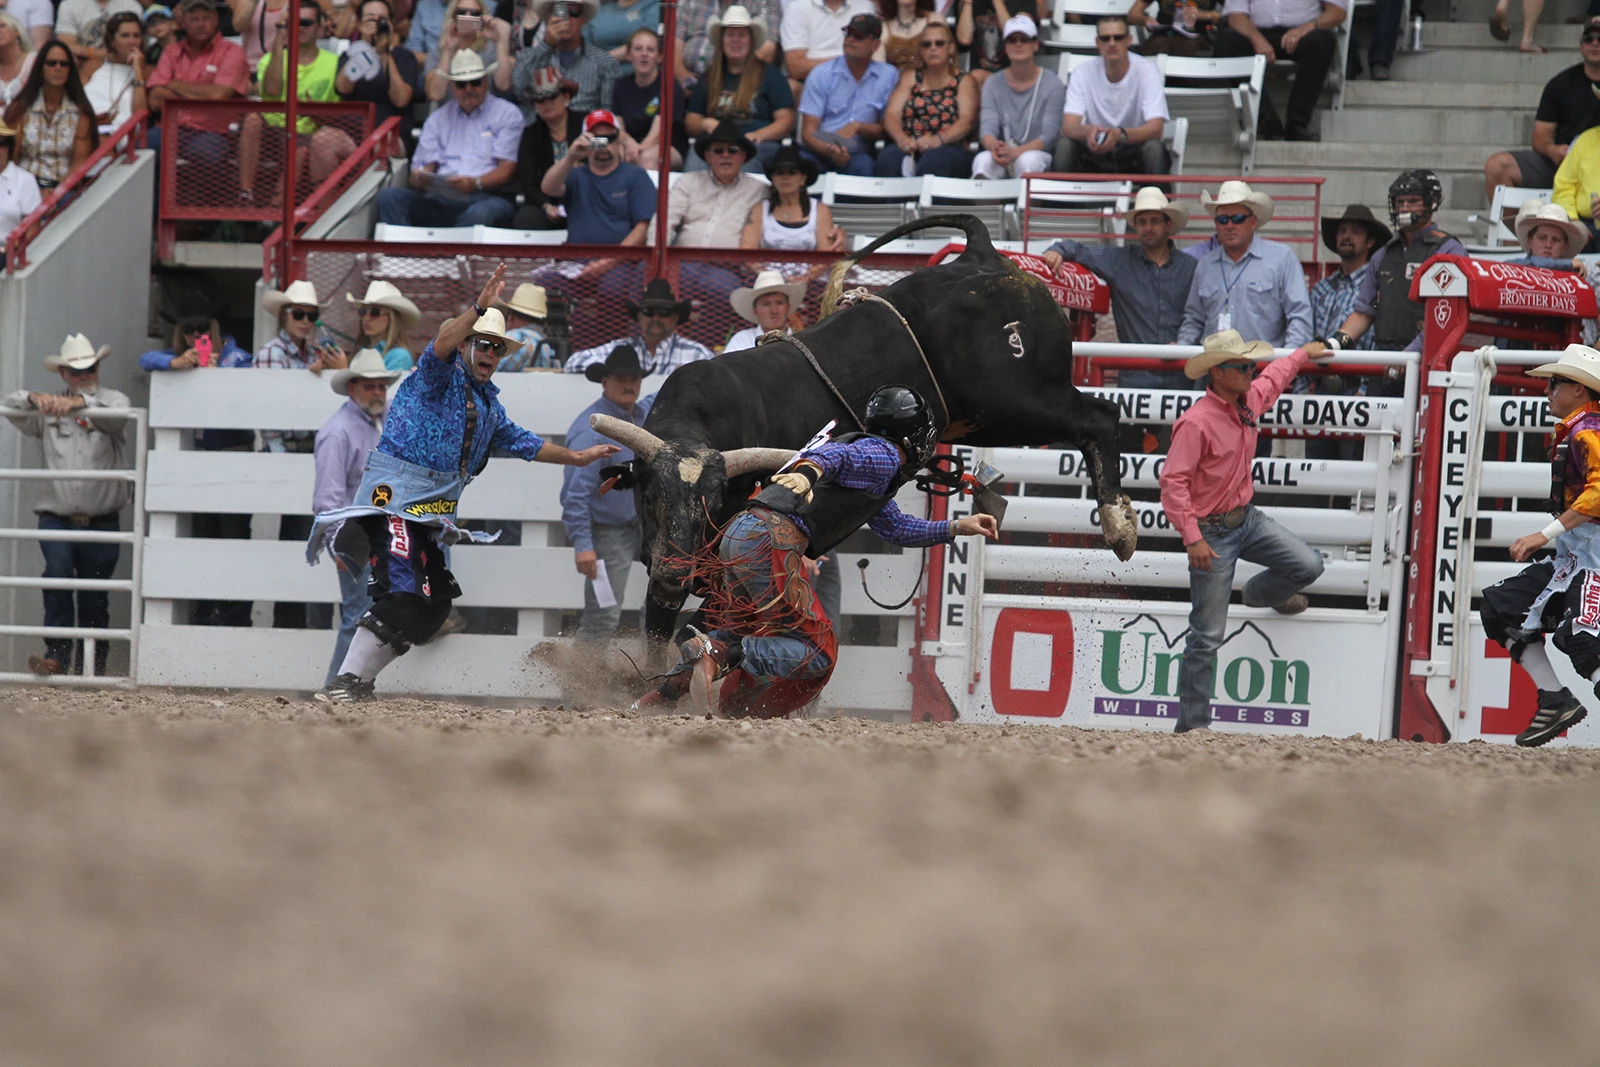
1595 677
1533 660
367 655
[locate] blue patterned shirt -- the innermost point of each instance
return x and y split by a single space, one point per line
871 463
428 419
1332 301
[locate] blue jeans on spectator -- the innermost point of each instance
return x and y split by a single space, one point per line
353 603
1291 566
1386 19
77 559
410 207
861 163
618 546
946 161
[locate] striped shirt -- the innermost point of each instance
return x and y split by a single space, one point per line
1146 299
592 68
1332 301
870 464
285 353
673 353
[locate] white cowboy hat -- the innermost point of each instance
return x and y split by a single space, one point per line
491 324
77 353
467 65
385 295
1531 206
367 364
1152 199
528 300
299 294
1224 347
768 281
736 16
1552 215
1579 363
1237 192
591 8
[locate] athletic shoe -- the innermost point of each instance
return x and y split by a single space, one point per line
44 666
1558 711
1293 606
344 689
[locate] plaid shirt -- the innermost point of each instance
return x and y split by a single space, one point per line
1333 299
694 27
590 66
534 352
870 464
285 353
672 353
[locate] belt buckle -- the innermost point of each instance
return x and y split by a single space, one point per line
1233 519
80 521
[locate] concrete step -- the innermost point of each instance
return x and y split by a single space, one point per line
1424 125
1501 66
1464 95
1476 34
1361 174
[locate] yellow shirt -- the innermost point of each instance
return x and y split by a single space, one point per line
1579 175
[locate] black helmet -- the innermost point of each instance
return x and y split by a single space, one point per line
900 415
1423 183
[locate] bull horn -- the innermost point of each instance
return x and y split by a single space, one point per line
643 443
746 460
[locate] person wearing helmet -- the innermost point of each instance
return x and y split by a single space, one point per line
1384 304
770 649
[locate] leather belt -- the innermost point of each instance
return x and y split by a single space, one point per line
1231 519
82 521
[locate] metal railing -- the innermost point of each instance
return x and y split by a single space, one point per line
131 585
124 141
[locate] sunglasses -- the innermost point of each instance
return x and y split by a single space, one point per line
940 43
1108 38
196 329
1243 368
1236 220
302 315
484 344
724 150
659 313
467 13
475 83
544 98
1556 383
858 35
57 63
73 372
372 313
308 22
1590 36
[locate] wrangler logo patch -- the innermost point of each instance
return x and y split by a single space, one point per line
381 495
431 507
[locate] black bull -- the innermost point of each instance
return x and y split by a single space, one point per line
999 347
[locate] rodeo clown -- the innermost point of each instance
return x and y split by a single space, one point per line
771 649
445 420
1559 596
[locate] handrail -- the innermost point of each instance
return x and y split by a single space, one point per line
17 240
386 137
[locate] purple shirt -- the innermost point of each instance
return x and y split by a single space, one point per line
466 145
342 447
871 463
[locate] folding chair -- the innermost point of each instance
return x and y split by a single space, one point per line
494 235
870 205
995 202
1221 98
1100 204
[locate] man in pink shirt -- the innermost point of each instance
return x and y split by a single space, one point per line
1206 490
203 66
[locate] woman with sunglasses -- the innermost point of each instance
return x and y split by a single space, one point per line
115 87
468 27
545 140
930 114
789 217
386 318
903 23
53 117
754 95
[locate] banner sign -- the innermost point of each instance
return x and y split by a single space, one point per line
1491 286
1071 285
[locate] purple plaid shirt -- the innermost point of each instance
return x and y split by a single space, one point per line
871 463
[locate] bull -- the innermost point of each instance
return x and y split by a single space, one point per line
1000 352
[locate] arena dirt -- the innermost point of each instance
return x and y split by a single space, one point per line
229 880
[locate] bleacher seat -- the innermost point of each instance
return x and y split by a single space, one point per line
995 202
871 205
1072 37
494 235
1221 100
440 235
1502 212
1108 199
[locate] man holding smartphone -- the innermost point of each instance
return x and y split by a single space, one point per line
593 68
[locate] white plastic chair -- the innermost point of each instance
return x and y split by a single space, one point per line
870 205
1222 101
494 235
442 235
993 201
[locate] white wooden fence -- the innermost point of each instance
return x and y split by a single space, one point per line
536 578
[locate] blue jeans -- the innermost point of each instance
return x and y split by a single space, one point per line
746 552
1386 20
77 559
1291 566
618 546
353 603
860 163
946 161
409 207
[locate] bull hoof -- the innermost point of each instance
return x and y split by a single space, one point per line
1120 524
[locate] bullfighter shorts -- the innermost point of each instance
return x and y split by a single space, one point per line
410 586
1572 615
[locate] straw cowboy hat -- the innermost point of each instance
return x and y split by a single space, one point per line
385 295
299 294
1531 206
1237 192
1579 363
737 16
1224 347
658 296
768 281
623 361
1552 215
591 8
367 364
10 131
491 324
528 300
1361 213
1152 199
76 353
466 65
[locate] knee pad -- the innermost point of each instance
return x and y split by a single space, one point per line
404 619
385 633
1583 649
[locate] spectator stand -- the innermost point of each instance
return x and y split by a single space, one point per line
122 144
1221 98
200 180
1047 626
1483 481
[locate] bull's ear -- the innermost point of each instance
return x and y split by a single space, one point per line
618 476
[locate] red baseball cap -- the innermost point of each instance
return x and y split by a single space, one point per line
602 117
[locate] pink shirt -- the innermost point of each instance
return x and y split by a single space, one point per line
222 63
1208 464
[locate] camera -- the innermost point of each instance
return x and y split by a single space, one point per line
600 140
383 26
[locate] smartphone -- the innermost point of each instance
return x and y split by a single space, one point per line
202 348
1100 138
470 25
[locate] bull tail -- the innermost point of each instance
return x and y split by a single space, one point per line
978 246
